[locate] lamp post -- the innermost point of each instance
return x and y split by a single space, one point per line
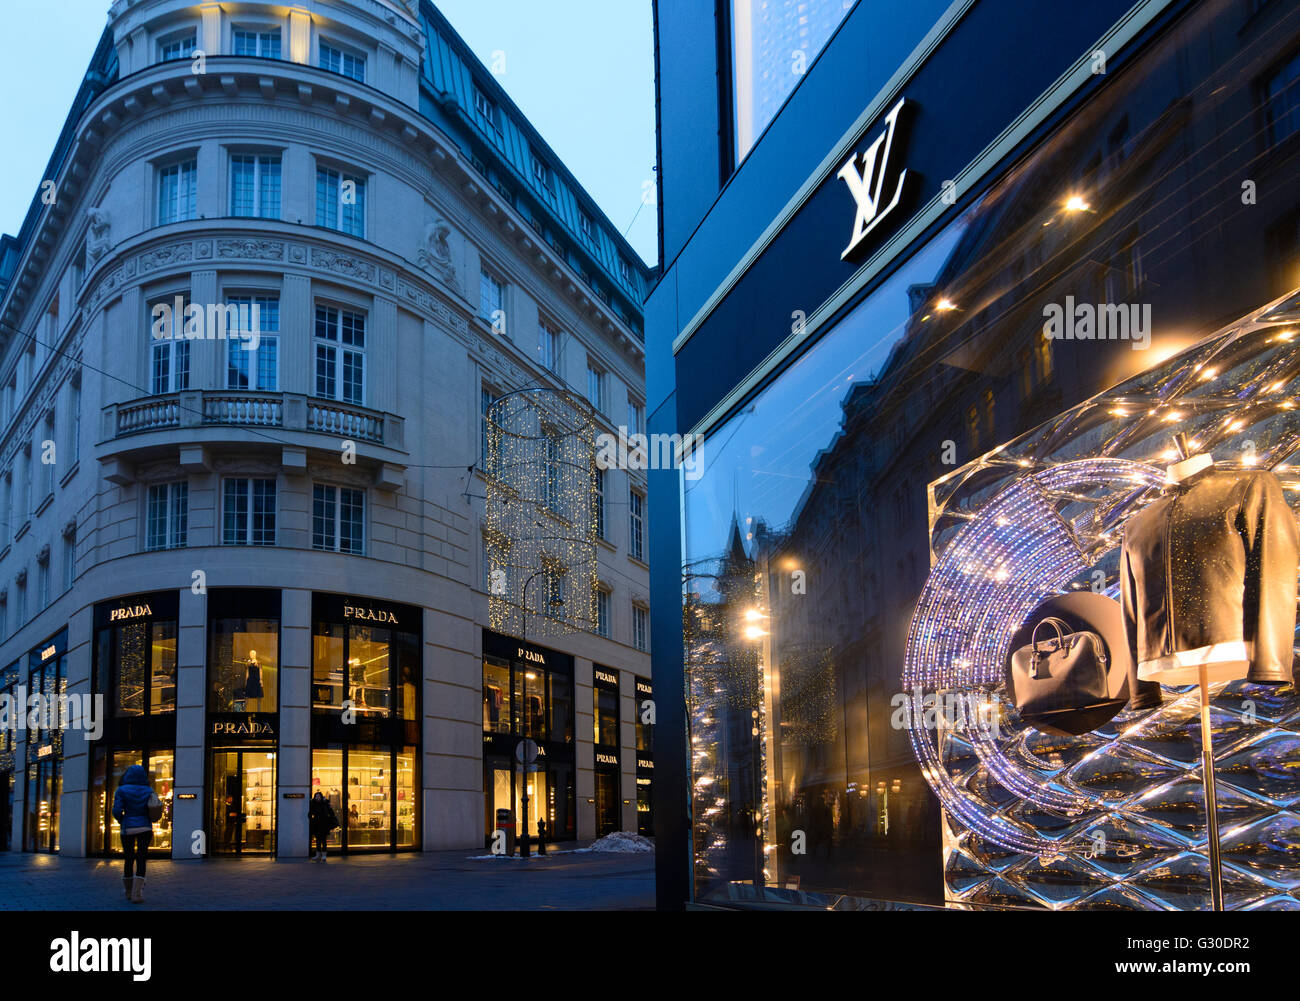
552 602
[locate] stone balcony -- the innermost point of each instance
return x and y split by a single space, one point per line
188 426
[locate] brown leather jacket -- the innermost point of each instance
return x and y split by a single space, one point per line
1208 578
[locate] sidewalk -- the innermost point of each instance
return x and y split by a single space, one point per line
462 880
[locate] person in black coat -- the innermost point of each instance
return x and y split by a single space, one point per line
321 819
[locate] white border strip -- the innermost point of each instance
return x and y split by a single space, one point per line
1123 32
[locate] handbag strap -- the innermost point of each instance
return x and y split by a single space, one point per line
1055 624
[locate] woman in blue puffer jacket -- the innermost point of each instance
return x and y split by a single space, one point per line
131 806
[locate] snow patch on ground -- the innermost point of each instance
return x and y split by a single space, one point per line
621 841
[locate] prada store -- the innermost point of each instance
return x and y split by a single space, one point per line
364 721
243 719
528 693
134 669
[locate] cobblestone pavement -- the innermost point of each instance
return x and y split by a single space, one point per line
563 880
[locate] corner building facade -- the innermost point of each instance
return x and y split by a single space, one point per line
266 554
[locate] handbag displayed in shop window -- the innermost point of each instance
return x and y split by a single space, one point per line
1072 675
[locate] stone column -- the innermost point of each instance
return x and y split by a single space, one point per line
77 747
188 815
584 719
452 762
627 749
294 764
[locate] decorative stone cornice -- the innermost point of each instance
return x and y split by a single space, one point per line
169 85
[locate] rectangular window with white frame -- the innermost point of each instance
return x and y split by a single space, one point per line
487 397
491 296
48 458
635 417
636 524
340 354
596 387
602 611
167 516
178 46
255 185
69 559
248 512
548 346
248 367
338 519
336 59
341 201
178 191
261 43
640 628
169 352
74 422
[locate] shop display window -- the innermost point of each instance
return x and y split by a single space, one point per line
527 700
371 669
606 715
243 664
373 793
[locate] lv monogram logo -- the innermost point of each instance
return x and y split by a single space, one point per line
866 183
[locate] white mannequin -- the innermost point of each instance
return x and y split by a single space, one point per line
1187 466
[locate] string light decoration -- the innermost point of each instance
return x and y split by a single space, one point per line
541 513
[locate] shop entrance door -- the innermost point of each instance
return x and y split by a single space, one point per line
243 802
607 806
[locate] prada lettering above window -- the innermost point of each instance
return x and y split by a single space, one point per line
872 175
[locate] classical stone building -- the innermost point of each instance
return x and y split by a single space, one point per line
234 539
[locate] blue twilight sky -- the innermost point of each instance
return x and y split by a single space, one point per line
581 70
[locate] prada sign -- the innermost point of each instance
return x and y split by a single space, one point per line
874 181
606 678
243 726
125 612
363 613
606 759
531 656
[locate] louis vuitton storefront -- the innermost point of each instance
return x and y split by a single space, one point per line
941 341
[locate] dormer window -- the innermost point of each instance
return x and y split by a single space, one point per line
348 64
486 109
262 43
587 226
179 46
541 174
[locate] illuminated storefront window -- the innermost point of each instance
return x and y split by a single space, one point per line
528 693
645 758
46 679
365 706
135 670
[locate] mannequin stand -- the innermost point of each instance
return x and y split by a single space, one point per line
1211 803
